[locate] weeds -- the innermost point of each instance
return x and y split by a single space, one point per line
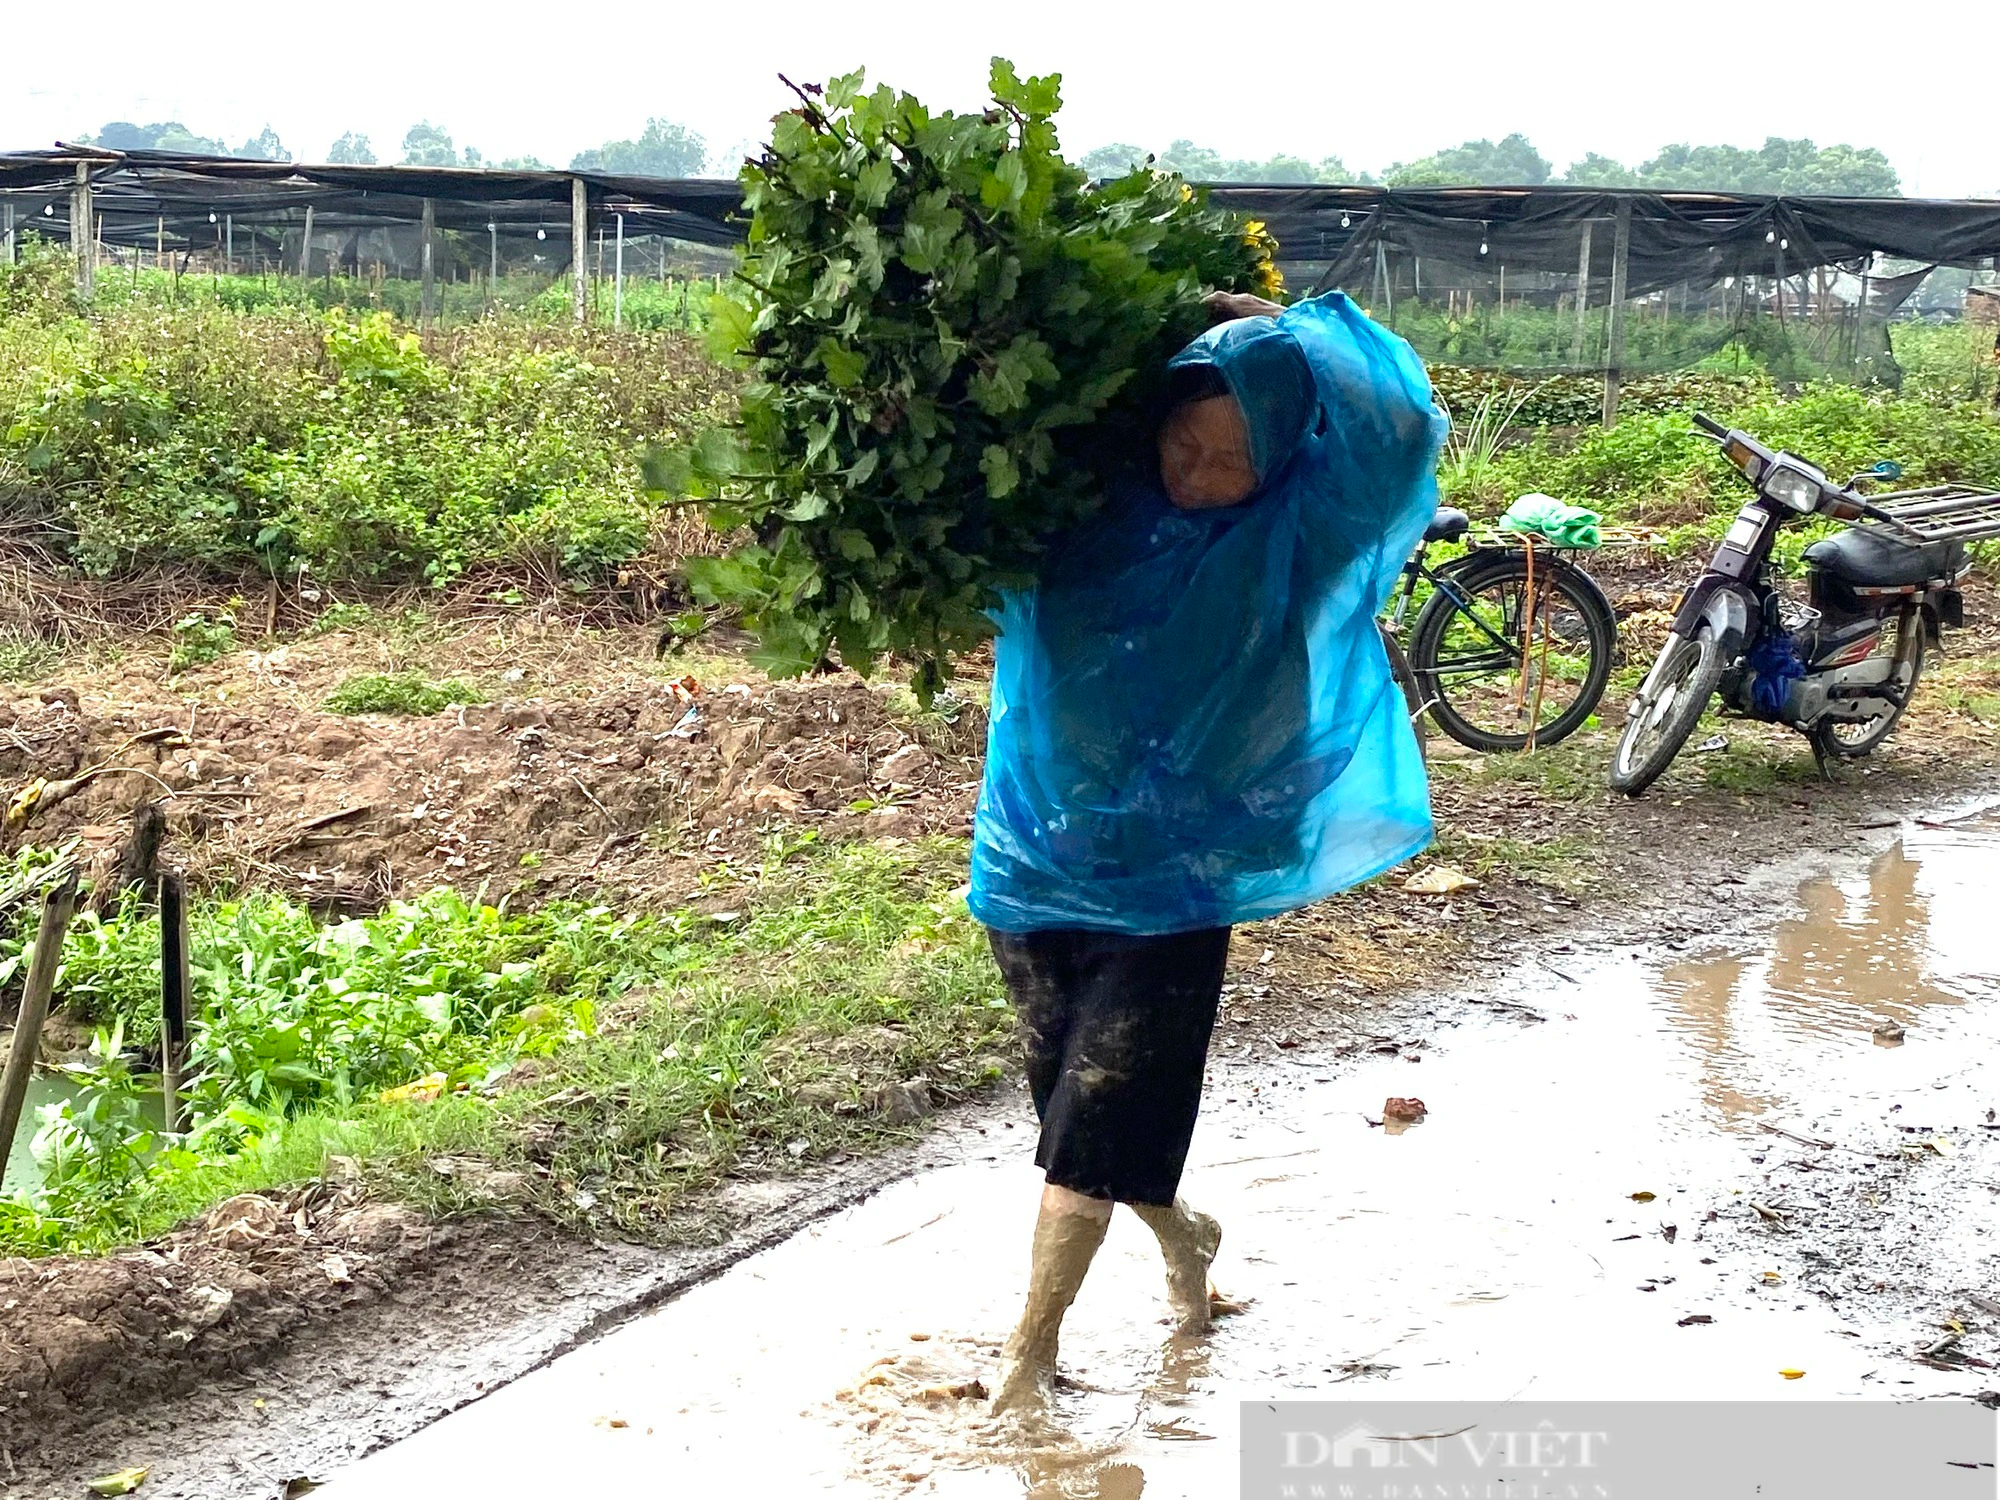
198 640
27 658
399 693
1471 448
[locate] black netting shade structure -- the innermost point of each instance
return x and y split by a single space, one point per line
1538 278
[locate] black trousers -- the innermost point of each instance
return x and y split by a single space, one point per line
1116 1031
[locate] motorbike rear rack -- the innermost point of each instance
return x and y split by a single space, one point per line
1943 513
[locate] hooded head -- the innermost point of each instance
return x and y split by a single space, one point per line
1240 400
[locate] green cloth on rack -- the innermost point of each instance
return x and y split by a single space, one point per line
1558 524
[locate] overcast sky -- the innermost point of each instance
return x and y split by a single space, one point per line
1372 84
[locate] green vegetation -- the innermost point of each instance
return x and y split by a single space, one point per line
199 639
399 693
1655 467
953 340
616 1061
289 440
664 290
25 658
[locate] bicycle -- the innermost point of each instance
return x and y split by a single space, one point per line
1513 647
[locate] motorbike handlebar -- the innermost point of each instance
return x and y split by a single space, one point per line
1710 426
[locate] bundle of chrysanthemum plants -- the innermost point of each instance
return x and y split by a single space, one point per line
953 340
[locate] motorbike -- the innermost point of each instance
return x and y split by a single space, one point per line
1840 667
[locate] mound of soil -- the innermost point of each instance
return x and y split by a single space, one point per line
217 1294
630 789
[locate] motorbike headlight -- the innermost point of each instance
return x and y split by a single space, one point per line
1792 488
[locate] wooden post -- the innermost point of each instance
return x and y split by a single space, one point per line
427 303
229 243
160 243
82 233
58 905
579 248
174 985
306 249
1614 352
1582 297
618 279
7 233
493 259
1861 313
1778 289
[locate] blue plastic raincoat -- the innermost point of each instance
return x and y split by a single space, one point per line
1193 719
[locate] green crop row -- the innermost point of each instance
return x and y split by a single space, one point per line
290 438
615 1060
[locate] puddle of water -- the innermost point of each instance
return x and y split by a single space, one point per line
1495 1250
23 1171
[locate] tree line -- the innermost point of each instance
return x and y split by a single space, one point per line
667 149
662 149
1778 166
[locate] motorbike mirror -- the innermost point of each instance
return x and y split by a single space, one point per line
1888 468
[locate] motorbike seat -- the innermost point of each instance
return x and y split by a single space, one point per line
1871 558
1447 525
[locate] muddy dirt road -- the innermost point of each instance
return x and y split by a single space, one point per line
1643 1174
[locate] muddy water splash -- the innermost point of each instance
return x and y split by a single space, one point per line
1573 1219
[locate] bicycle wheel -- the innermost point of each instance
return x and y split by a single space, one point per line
1413 697
1497 680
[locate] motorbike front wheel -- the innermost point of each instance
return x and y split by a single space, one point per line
1684 680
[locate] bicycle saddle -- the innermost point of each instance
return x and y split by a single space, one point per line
1447 525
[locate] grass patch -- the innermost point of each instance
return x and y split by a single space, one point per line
409 693
618 1063
1566 862
27 658
338 617
1573 771
1970 687
200 639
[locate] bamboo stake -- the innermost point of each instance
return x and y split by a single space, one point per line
1582 297
174 983
427 297
1614 353
579 249
58 906
82 234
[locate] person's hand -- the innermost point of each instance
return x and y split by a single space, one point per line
1223 306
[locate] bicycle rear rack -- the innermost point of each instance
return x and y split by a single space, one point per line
1492 537
1942 513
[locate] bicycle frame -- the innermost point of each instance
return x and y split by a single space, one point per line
1415 570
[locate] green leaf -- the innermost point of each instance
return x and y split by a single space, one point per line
997 464
850 544
729 323
844 367
716 456
667 473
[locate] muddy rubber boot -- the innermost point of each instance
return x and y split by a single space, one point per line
1066 1240
1188 1240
